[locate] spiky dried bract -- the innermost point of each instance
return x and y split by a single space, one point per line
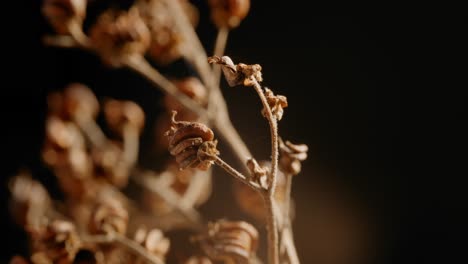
62 14
277 103
57 242
291 157
153 241
228 13
109 215
120 114
230 241
185 141
29 200
118 35
237 74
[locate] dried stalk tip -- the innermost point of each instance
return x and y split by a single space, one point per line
58 242
64 14
258 173
230 241
237 74
153 241
192 144
117 36
277 103
228 13
291 157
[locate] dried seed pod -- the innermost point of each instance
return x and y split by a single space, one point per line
185 141
119 35
58 242
277 103
291 157
230 241
64 14
198 260
153 241
109 215
30 201
237 74
79 102
123 113
228 13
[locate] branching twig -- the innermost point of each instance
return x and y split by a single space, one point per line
220 45
237 174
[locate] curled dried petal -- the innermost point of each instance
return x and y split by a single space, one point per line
291 157
277 103
109 215
258 174
153 241
241 73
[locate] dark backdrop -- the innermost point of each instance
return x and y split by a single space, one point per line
367 94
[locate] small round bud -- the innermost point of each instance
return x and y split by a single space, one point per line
228 13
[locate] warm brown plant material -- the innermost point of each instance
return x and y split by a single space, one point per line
98 222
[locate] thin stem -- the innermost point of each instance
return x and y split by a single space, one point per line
130 144
141 66
229 134
220 45
272 225
92 131
287 201
237 174
112 237
288 241
173 199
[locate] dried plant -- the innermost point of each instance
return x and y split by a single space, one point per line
98 216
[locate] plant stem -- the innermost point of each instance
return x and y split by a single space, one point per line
272 225
220 45
112 237
237 174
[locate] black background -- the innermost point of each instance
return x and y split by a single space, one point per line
377 99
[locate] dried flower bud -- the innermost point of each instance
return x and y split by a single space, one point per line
153 241
258 174
29 200
291 157
79 102
229 13
119 35
58 242
109 215
277 103
64 14
230 241
238 74
198 260
190 86
110 164
63 135
191 143
123 113
18 260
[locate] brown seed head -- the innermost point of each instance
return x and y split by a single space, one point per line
153 241
230 241
62 14
228 13
119 35
58 242
79 102
291 157
185 140
109 215
123 113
